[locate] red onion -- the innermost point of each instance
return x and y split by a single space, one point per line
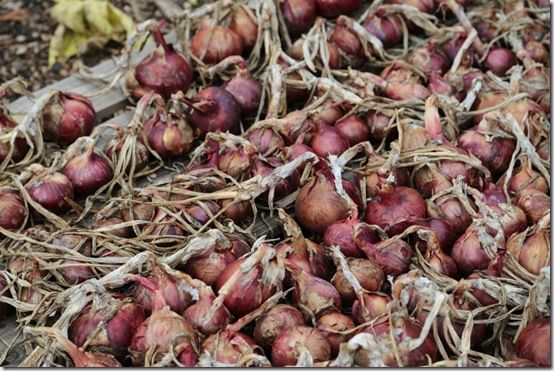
468 252
534 203
198 212
534 50
115 145
163 225
234 161
167 287
533 343
369 275
318 204
244 24
425 6
284 187
164 329
198 312
51 191
378 124
531 248
334 8
213 43
20 145
237 211
246 90
208 266
543 150
228 347
392 255
294 94
13 213
28 269
494 153
333 62
342 233
440 261
331 323
520 363
313 293
328 141
139 211
275 321
122 232
75 272
403 329
164 71
444 231
452 47
299 15
348 41
439 85
395 208
353 129
248 293
500 60
375 179
70 117
375 304
306 255
525 177
450 209
118 322
266 140
215 109
169 135
289 345
327 114
494 194
511 218
386 27
429 59
88 172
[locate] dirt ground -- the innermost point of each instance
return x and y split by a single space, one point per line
25 32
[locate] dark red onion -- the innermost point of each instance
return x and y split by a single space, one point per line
266 140
198 213
299 15
215 109
341 234
353 129
444 231
288 346
234 161
500 60
13 213
213 43
237 211
449 208
51 191
533 343
246 90
334 8
278 319
88 172
386 27
70 117
468 252
164 71
393 255
328 141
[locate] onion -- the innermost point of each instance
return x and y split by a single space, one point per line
525 177
533 343
139 211
468 252
228 347
378 124
342 233
164 71
290 344
494 153
494 194
318 204
328 114
375 305
449 208
237 211
14 212
534 203
531 248
169 135
75 272
353 129
348 41
333 61
299 15
334 8
51 191
215 109
328 141
71 116
208 266
28 269
118 322
440 261
175 297
198 312
246 90
20 147
122 232
248 293
429 59
386 27
331 323
392 255
198 213
275 321
305 254
266 140
511 218
402 330
234 161
284 187
115 145
534 50
425 6
163 225
294 94
369 275
452 47
88 172
375 179
213 43
500 60
543 150
244 24
314 294
395 208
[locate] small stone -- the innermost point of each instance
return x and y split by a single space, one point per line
20 38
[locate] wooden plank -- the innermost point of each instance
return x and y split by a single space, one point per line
105 104
8 333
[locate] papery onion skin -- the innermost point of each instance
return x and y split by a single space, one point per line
228 347
306 255
386 27
164 71
533 343
266 140
221 111
71 117
369 275
198 312
51 191
375 304
20 145
213 43
534 203
278 319
170 137
335 321
395 209
533 252
299 15
313 293
449 208
115 337
288 346
468 253
75 272
123 232
13 213
284 187
88 172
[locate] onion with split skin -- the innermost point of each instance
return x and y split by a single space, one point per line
198 312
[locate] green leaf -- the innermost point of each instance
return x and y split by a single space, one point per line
83 23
